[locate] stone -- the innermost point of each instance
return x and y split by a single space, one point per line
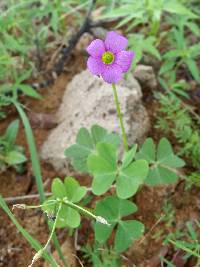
89 100
146 76
99 32
84 41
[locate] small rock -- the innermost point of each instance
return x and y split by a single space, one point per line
84 41
42 120
68 253
99 32
146 76
89 100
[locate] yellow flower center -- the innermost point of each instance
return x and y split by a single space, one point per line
108 57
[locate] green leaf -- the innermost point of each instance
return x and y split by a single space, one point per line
84 139
98 133
151 48
11 132
173 161
192 66
160 175
81 150
129 156
70 189
68 217
33 150
131 177
14 157
147 151
113 210
74 191
172 54
176 7
193 27
165 155
195 50
163 161
127 233
164 149
103 167
167 66
79 156
24 76
112 138
58 188
86 144
28 90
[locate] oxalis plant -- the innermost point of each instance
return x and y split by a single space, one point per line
97 153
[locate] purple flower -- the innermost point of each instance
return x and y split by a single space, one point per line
108 58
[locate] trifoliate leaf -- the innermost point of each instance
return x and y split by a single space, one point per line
163 162
103 166
73 192
113 210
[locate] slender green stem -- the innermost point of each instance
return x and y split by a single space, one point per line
120 117
40 253
24 206
53 228
79 208
85 211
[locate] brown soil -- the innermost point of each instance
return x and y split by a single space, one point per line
14 249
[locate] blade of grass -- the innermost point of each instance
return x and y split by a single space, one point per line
188 250
33 242
36 169
33 151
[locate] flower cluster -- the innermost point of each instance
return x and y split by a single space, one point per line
108 58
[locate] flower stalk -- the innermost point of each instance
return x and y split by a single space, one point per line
120 117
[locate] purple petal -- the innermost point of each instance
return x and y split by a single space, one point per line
96 48
95 66
115 42
112 73
124 60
